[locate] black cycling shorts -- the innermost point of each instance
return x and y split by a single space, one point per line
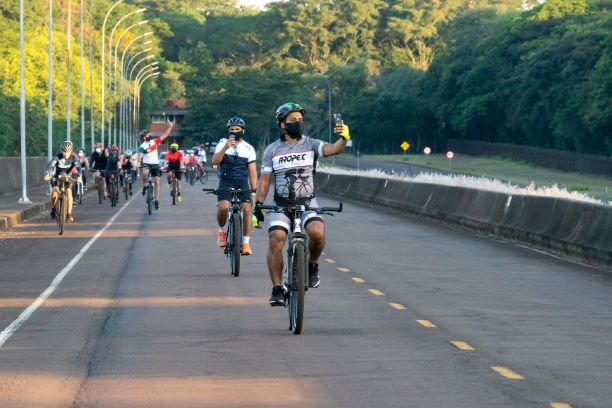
154 169
224 184
107 175
177 173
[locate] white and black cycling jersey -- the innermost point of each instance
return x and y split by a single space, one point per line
236 160
293 166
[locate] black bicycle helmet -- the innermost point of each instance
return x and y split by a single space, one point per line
236 121
67 145
285 109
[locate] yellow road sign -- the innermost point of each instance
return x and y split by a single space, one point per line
405 145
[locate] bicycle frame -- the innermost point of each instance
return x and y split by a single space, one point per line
295 278
149 192
233 249
64 182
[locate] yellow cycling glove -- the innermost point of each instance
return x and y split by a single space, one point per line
345 134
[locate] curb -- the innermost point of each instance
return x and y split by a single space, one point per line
11 218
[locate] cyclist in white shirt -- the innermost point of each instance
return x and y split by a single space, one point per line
150 160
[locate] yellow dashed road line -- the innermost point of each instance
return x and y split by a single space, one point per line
398 306
358 280
508 373
560 405
426 323
462 345
344 269
376 292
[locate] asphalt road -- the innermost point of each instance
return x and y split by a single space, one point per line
149 316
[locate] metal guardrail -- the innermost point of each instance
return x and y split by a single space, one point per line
555 159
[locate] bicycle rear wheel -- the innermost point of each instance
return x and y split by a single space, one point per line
100 191
297 288
126 188
173 192
204 177
149 198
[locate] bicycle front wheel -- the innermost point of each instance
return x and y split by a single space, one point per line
61 214
236 232
297 287
100 191
113 194
204 178
173 192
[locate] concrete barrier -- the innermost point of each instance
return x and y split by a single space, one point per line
10 168
569 228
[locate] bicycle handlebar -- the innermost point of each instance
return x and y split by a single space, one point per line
318 210
229 190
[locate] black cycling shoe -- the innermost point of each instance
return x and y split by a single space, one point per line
278 296
144 190
313 275
52 213
156 205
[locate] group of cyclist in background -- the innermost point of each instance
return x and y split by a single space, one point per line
291 159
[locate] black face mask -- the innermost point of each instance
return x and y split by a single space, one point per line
237 135
294 129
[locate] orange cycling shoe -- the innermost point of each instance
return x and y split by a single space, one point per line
221 239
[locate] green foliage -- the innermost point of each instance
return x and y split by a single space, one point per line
417 70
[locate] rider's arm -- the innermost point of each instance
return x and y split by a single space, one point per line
220 152
167 132
338 147
267 167
263 187
335 148
252 168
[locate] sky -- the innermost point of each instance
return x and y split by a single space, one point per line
258 3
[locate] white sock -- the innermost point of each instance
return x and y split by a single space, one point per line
220 229
246 239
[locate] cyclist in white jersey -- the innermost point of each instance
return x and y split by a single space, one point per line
237 169
292 159
150 160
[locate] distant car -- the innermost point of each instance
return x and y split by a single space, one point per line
213 146
162 156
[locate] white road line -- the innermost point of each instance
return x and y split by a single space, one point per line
25 315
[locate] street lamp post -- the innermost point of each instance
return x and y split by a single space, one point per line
124 69
151 74
82 81
103 65
126 53
114 119
69 73
110 51
50 87
151 68
24 196
91 99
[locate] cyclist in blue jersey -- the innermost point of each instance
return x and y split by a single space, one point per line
237 169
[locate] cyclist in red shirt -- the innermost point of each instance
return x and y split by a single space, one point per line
175 164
